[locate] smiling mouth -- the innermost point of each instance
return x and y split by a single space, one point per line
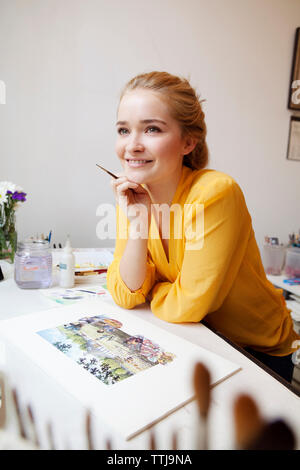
135 162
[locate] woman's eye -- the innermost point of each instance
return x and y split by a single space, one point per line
122 131
153 129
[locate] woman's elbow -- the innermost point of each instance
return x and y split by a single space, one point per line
178 315
124 302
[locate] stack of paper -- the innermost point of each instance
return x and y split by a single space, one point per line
127 371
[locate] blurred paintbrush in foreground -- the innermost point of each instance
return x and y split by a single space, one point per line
252 432
202 385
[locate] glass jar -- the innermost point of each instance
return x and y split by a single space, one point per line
292 264
273 259
33 265
8 235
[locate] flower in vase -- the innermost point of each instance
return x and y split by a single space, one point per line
17 196
8 186
11 196
3 196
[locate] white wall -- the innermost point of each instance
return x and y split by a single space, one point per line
64 63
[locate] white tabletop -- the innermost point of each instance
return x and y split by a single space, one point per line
279 282
292 304
274 399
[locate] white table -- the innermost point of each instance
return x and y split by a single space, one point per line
292 289
273 398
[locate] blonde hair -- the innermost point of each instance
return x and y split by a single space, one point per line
185 107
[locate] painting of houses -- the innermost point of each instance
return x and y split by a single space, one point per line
104 349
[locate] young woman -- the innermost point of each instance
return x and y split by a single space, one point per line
217 274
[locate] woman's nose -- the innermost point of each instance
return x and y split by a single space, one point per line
135 144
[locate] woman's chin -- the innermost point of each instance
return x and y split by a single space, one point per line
136 176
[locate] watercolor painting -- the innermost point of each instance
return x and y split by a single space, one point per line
101 347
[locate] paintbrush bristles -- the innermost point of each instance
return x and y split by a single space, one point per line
247 419
174 441
276 435
18 414
202 383
50 435
88 428
152 441
32 420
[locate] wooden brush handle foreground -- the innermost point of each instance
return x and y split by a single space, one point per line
248 421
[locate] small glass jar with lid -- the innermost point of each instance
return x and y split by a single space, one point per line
33 264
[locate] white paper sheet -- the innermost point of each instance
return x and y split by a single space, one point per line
129 405
62 296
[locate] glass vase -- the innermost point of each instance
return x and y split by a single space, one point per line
8 236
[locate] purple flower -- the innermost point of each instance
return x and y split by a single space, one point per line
18 196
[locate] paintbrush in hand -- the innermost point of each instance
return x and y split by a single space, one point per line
109 172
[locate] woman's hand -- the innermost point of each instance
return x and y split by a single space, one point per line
135 202
132 198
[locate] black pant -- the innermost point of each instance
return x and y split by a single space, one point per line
282 365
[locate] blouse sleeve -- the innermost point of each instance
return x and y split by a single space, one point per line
211 262
119 291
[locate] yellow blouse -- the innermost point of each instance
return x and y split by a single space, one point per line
219 277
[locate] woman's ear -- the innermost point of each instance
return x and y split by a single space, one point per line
189 144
